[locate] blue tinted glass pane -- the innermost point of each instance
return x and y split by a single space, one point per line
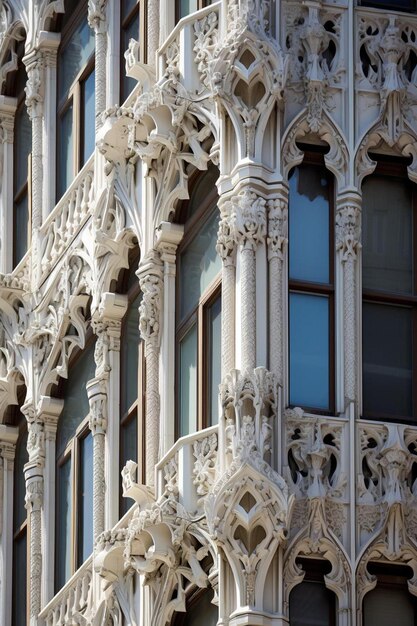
63 519
200 264
215 362
20 226
188 383
309 224
65 151
89 118
387 222
184 8
387 360
76 406
130 356
85 502
309 351
19 591
74 56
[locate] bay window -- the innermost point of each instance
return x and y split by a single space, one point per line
199 311
311 288
389 280
74 472
76 99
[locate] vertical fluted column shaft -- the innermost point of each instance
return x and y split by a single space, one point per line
151 283
226 248
348 214
249 227
97 20
277 241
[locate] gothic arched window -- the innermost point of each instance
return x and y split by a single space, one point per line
390 602
311 603
311 286
75 95
20 534
389 282
131 382
199 310
74 472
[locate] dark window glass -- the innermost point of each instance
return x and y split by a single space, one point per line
309 224
74 56
399 5
19 599
23 145
188 382
214 360
65 150
311 604
21 458
129 30
130 355
21 225
183 8
19 578
63 563
89 118
128 451
387 360
85 499
201 611
387 235
390 602
389 312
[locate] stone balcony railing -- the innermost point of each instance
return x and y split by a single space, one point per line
67 218
188 470
73 600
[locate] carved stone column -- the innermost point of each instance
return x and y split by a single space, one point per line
98 22
49 122
348 214
7 112
152 34
226 248
168 237
8 438
249 223
150 278
97 398
277 241
34 502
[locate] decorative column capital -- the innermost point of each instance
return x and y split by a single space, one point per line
50 409
7 451
36 435
97 19
248 218
277 226
7 113
168 237
150 275
97 398
348 224
226 240
35 85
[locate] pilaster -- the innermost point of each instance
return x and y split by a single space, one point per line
50 409
347 232
8 438
151 283
168 238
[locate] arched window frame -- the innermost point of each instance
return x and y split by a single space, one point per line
313 156
389 576
314 573
199 314
72 453
74 98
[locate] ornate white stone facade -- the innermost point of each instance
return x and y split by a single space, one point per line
239 83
